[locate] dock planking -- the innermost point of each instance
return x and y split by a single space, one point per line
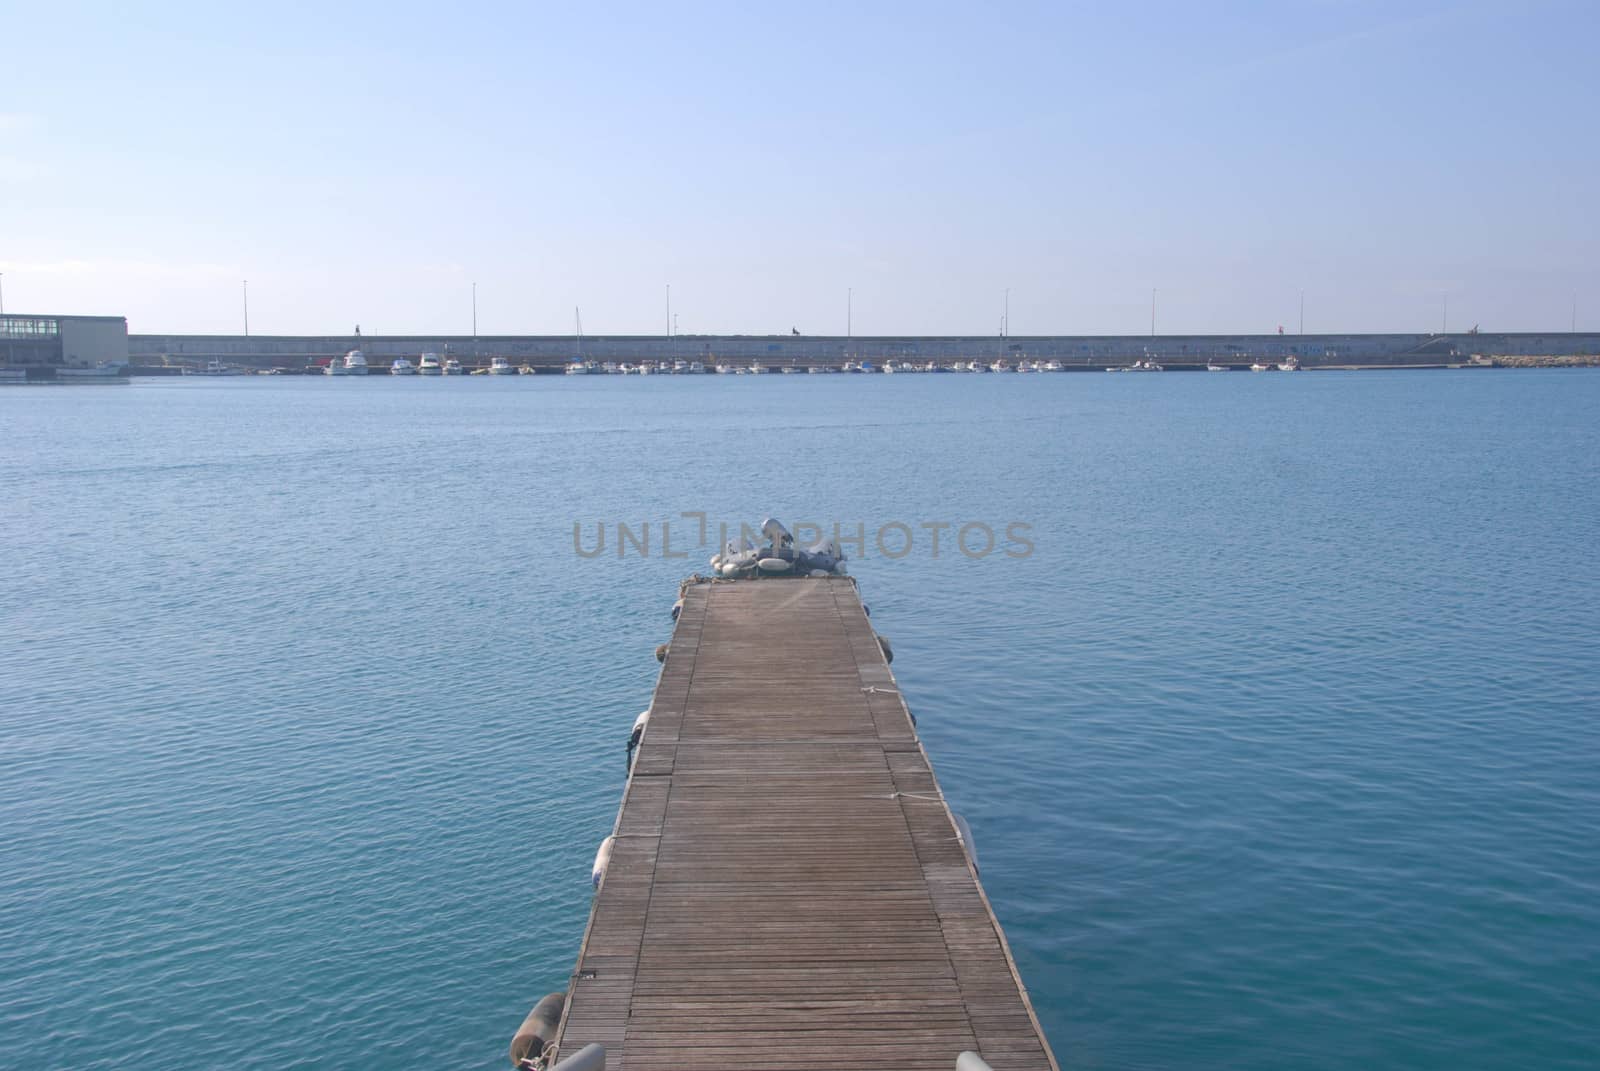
787 890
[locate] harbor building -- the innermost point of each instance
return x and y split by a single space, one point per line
34 341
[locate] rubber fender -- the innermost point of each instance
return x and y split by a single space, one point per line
964 834
661 651
971 1061
538 1028
602 859
886 647
592 1057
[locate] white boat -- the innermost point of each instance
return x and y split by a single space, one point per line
577 368
1289 364
355 363
1052 366
724 369
500 366
1146 365
680 367
452 367
647 369
696 368
526 370
1213 366
978 366
213 367
788 369
13 375
1259 366
757 369
609 368
815 370
100 373
430 365
402 366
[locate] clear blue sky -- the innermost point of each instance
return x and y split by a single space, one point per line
367 164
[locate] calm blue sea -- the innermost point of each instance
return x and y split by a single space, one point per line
1282 749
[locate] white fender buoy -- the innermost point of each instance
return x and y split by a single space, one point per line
964 835
592 1057
602 859
730 570
971 1061
638 729
819 572
885 647
773 565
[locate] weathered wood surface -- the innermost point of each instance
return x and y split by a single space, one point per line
787 891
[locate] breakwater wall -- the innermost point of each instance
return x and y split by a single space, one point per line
1081 351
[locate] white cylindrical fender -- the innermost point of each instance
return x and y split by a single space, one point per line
592 1057
639 724
602 859
730 570
964 834
773 565
971 1061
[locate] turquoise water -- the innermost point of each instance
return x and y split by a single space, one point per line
1281 750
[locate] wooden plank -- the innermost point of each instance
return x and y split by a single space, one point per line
787 891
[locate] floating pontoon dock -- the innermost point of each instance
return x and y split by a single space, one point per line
787 889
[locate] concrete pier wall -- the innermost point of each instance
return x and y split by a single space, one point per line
1071 350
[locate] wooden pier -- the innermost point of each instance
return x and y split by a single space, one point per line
787 890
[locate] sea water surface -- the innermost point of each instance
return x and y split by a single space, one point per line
1281 749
